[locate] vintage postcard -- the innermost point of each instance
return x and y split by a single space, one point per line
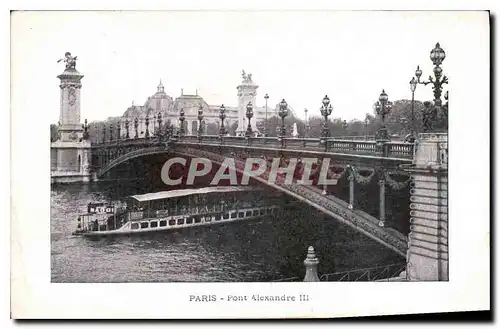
248 164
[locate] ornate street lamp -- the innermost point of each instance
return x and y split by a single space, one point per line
249 115
119 129
136 125
127 136
147 126
104 133
383 107
437 57
413 87
222 116
326 110
306 128
366 127
111 132
266 97
181 120
200 119
283 112
159 120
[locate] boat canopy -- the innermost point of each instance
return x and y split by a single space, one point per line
184 192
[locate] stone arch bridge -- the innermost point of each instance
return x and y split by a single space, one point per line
379 161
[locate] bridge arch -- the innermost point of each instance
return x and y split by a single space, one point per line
332 206
132 155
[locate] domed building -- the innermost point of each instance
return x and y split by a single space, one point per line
158 104
161 104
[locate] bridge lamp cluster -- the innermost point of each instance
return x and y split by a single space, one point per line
159 119
136 126
326 110
283 113
181 120
437 57
383 107
249 115
266 97
307 126
222 116
200 120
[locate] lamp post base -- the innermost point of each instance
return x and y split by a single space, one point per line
382 135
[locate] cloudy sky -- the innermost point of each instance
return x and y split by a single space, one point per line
299 56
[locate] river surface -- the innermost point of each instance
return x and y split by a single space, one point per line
257 250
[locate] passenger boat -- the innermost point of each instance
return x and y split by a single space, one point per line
176 209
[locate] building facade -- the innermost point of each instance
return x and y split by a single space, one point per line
163 105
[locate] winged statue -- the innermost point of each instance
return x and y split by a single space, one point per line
69 60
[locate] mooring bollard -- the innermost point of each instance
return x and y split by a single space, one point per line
311 263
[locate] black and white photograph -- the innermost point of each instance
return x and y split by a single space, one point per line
248 147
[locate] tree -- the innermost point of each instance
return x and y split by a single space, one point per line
399 121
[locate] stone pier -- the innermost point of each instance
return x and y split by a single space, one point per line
427 256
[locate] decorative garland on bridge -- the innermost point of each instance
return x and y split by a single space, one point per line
393 184
364 180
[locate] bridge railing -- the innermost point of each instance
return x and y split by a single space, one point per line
388 149
363 147
403 150
390 272
377 273
127 141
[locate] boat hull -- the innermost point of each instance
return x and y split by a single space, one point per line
155 225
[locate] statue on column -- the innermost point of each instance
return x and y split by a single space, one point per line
246 77
69 60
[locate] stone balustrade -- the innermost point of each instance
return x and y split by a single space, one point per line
390 149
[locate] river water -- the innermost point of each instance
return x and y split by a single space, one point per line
258 250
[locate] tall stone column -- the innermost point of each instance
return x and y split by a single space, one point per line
70 152
70 128
427 256
247 92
